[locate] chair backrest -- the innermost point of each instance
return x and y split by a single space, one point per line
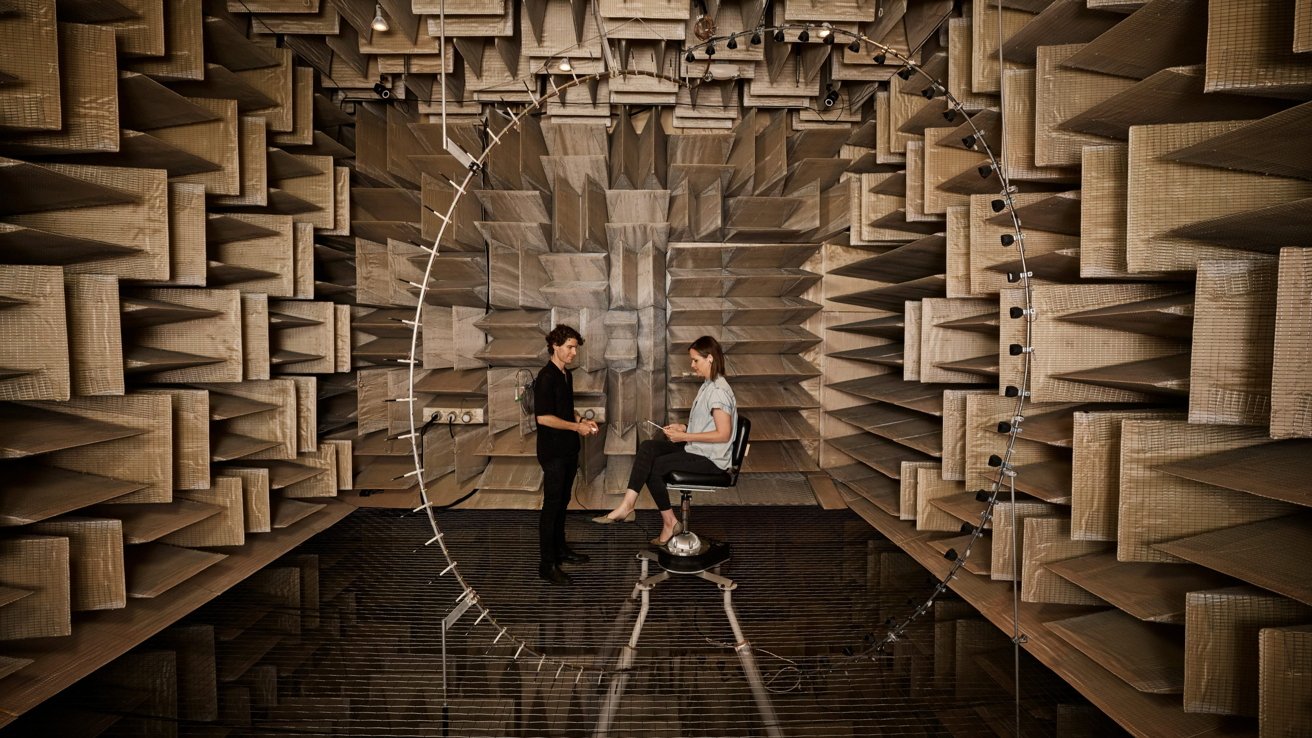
741 442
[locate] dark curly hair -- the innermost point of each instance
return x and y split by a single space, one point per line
708 346
559 335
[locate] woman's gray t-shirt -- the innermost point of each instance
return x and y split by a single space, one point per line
714 393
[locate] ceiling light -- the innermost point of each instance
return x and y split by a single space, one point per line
379 23
825 30
565 66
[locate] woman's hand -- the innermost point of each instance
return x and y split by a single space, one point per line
676 432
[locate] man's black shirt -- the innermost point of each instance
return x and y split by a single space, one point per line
553 394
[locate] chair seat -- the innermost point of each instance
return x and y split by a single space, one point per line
680 478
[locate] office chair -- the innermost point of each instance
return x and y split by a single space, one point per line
686 544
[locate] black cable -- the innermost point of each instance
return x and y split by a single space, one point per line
451 505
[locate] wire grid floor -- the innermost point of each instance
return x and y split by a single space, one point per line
813 587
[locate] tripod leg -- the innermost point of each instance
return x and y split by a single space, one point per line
615 693
750 669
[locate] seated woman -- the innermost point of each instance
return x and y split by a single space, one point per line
702 446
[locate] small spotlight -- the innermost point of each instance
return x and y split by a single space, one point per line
381 90
732 43
1014 277
968 529
565 66
689 57
985 171
831 98
826 30
379 22
1016 349
1017 313
950 554
949 115
905 72
1004 427
804 36
756 38
710 49
929 92
995 460
1014 391
855 46
881 57
981 496
968 142
998 205
779 35
1007 239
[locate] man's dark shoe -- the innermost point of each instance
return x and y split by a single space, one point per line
554 575
570 556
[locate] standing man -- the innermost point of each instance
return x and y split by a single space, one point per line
559 428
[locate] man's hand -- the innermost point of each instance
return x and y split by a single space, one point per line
586 428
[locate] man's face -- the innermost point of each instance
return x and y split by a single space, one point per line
567 351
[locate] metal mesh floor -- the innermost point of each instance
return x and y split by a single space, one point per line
814 587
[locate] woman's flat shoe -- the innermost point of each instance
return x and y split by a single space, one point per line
608 520
678 528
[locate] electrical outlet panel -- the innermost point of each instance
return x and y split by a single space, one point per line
591 412
457 415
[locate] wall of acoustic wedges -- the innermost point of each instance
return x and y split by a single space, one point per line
1159 519
213 234
175 323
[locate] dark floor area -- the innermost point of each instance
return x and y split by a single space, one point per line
361 655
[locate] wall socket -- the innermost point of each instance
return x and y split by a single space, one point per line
591 412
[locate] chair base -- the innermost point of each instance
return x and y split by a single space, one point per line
712 554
